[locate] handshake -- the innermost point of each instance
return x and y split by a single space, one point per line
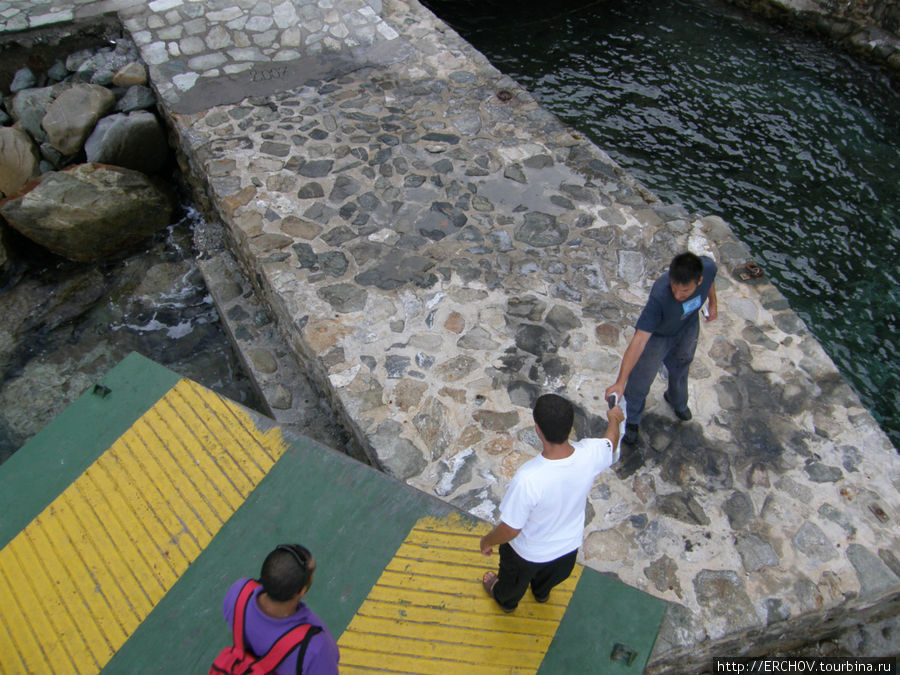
615 414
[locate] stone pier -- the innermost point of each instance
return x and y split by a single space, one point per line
437 249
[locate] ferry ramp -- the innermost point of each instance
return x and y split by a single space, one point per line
124 522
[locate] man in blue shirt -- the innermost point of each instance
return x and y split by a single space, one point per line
666 332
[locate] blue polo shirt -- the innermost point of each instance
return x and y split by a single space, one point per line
663 315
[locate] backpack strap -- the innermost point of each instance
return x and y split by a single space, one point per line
284 645
301 650
240 611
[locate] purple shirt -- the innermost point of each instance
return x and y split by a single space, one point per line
262 631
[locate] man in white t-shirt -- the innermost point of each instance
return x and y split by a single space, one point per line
542 515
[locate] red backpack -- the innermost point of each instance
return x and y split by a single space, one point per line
239 660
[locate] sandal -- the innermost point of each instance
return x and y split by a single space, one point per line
488 581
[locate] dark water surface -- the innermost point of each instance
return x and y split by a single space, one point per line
794 143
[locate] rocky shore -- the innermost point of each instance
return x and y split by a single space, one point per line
95 253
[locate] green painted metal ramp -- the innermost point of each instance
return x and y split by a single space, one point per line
150 495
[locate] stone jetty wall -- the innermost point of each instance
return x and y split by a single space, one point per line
438 250
867 28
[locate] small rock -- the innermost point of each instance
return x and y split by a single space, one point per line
739 510
344 297
23 79
280 397
30 106
396 366
455 323
130 75
135 140
491 420
607 334
477 338
514 172
137 97
758 476
724 594
684 507
541 230
19 160
756 553
57 72
811 541
875 578
397 456
644 487
664 575
263 361
820 473
72 116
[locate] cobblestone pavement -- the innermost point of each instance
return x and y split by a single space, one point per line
438 249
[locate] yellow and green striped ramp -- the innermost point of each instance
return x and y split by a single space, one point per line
123 523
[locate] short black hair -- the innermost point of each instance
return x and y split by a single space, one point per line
285 571
686 268
554 416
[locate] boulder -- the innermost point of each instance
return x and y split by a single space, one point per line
57 72
103 65
4 254
23 79
19 160
137 97
72 116
33 305
90 212
136 141
29 107
130 75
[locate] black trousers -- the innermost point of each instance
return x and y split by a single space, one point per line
516 574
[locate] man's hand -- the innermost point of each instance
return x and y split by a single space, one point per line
501 534
711 313
617 389
615 415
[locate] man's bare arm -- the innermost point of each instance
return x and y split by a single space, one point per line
629 360
614 416
713 303
501 534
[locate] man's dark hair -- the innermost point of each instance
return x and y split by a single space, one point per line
285 571
685 268
554 416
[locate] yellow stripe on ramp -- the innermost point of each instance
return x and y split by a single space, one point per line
83 575
428 613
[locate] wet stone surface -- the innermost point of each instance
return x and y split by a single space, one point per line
438 250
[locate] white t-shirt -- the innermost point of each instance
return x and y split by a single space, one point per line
546 500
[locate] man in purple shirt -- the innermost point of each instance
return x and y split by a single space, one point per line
275 608
666 332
